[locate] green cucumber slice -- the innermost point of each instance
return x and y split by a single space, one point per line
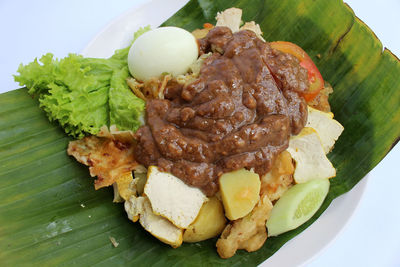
296 206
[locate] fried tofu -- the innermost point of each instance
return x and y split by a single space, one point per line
171 198
311 162
327 128
158 226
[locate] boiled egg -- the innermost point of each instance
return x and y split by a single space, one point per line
163 50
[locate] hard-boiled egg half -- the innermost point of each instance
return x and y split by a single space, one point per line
162 50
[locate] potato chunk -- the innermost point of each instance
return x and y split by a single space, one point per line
209 223
240 191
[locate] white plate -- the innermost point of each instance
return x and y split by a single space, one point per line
304 247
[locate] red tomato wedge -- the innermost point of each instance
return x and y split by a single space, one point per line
314 76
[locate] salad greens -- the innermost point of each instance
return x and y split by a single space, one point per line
83 94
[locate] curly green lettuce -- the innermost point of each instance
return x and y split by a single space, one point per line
84 94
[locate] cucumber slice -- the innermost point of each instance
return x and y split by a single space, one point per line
297 205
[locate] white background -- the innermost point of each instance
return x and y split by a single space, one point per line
29 29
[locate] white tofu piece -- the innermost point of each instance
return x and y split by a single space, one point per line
171 198
230 18
327 128
156 225
311 161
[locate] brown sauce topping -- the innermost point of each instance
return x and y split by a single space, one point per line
239 113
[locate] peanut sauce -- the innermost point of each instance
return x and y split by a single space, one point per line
239 113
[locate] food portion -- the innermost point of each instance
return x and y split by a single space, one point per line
215 133
236 125
235 130
233 116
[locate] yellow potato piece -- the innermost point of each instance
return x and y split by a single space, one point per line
240 191
209 223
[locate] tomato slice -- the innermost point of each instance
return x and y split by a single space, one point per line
314 76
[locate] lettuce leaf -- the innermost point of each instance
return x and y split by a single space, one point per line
126 108
83 94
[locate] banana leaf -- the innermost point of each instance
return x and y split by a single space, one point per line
51 215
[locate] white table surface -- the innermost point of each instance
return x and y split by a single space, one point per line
29 29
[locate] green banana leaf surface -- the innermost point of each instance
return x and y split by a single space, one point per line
50 213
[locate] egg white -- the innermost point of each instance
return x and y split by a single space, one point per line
162 50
